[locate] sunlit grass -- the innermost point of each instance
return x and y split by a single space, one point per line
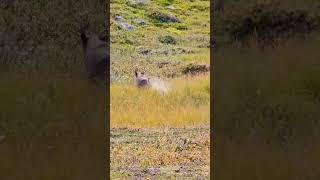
186 104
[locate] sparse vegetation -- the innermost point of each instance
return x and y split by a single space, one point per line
163 153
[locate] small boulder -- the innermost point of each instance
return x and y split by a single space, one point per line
125 26
139 21
171 7
138 3
119 18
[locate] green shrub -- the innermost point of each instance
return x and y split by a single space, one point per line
166 2
167 40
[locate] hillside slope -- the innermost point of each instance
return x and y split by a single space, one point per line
153 44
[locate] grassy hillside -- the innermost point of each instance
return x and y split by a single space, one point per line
143 48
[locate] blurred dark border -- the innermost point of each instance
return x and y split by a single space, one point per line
108 136
265 89
54 123
212 120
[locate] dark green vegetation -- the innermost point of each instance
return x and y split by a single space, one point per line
51 118
166 154
266 24
266 91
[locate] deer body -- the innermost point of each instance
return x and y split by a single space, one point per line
96 55
141 80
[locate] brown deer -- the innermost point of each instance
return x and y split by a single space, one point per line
141 80
97 57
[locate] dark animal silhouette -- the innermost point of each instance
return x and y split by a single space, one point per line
141 80
97 57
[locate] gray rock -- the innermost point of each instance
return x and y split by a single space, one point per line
125 26
119 18
136 3
171 7
139 21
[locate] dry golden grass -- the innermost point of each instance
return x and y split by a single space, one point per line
186 104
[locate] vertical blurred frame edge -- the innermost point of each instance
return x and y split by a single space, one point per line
107 125
212 124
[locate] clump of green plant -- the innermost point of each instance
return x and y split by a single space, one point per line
194 68
166 2
161 17
168 40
